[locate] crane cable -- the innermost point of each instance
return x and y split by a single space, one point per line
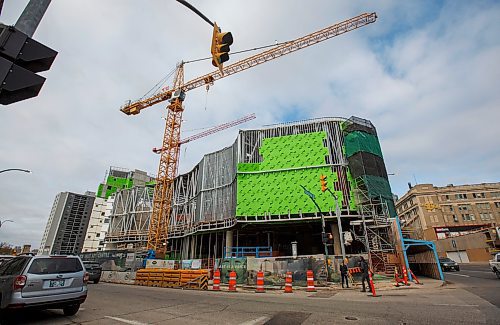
242 51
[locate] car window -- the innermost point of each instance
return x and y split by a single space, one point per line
14 266
445 260
55 265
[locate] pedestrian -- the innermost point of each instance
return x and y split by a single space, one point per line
364 274
343 274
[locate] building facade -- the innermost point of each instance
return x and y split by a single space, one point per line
67 224
93 240
433 212
257 193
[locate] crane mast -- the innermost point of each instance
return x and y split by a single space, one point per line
167 170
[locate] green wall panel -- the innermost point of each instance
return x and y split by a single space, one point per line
360 141
274 186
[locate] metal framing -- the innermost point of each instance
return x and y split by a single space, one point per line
130 218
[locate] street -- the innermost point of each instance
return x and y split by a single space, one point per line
127 304
477 279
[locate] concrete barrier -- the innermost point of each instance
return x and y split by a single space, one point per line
118 277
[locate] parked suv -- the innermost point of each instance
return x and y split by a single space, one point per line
43 282
94 269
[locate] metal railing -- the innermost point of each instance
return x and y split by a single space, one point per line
257 251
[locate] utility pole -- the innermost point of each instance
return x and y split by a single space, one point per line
313 198
337 213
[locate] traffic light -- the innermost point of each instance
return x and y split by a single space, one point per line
220 46
322 180
21 57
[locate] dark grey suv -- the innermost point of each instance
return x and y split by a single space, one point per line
43 282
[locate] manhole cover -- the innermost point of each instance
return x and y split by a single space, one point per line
351 318
325 294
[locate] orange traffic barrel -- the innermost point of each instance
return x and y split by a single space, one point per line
232 281
216 286
260 282
288 282
310 281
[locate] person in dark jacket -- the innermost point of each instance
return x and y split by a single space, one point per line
364 274
343 274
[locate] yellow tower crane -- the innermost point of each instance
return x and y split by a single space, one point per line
167 170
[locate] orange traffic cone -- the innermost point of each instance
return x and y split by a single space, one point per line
405 276
372 285
260 282
310 281
216 286
396 277
288 282
232 281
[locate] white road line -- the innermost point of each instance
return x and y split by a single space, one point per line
456 305
465 276
260 320
126 321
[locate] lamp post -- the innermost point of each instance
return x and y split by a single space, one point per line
16 169
2 222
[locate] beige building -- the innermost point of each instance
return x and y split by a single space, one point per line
435 213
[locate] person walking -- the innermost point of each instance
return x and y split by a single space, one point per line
364 274
343 274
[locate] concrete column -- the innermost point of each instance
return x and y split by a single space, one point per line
229 242
337 250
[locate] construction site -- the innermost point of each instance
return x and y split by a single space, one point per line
313 189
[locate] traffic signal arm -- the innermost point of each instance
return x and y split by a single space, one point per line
135 107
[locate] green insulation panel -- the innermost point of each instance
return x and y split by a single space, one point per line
112 185
274 186
360 141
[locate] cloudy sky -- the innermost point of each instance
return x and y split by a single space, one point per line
427 74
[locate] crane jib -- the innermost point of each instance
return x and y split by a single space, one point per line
343 27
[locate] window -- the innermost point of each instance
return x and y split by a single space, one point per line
461 196
478 195
486 216
14 266
447 197
497 204
495 194
446 218
447 208
484 206
102 213
455 218
468 217
97 235
464 207
55 265
434 219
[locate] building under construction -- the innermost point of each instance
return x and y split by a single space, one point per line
254 197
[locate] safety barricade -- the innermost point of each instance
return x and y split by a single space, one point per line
216 286
288 282
232 281
405 276
353 270
260 282
310 281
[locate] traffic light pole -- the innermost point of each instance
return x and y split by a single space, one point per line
190 6
31 16
337 213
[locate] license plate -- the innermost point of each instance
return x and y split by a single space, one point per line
56 283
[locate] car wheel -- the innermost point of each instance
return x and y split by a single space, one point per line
458 268
96 281
71 310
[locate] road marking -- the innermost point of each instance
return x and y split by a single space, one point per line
126 321
476 271
260 320
465 276
456 305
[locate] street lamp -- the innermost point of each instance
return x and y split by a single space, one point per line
16 169
2 222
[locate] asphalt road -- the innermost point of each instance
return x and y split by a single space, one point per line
479 280
126 304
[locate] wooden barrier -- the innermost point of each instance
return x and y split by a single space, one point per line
166 278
